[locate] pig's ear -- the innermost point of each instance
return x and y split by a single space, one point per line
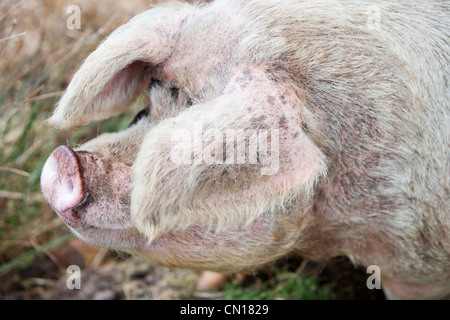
114 75
249 153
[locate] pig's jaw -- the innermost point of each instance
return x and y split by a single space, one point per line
193 241
196 247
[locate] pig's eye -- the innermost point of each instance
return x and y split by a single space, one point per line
141 114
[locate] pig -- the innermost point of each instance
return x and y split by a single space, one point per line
345 102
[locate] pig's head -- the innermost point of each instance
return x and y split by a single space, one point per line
172 185
90 188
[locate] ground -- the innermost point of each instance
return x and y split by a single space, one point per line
108 275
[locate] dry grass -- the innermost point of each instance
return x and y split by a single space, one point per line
38 56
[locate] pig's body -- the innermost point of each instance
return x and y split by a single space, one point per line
362 115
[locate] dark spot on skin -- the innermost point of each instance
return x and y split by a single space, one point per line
305 128
282 122
259 122
261 118
245 78
283 99
296 134
270 100
89 199
247 75
224 171
175 92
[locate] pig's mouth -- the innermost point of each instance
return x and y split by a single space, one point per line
90 194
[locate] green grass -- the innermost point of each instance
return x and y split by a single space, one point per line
283 286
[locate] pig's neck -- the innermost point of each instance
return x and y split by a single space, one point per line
357 192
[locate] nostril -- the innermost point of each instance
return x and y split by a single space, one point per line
61 180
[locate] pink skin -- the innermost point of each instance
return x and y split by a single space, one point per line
71 181
91 194
61 181
97 210
87 193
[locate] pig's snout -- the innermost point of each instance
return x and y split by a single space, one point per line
61 181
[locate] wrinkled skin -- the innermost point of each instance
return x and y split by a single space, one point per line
356 131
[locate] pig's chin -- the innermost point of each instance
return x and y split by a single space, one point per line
127 239
103 224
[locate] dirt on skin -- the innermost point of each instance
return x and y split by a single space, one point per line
108 275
